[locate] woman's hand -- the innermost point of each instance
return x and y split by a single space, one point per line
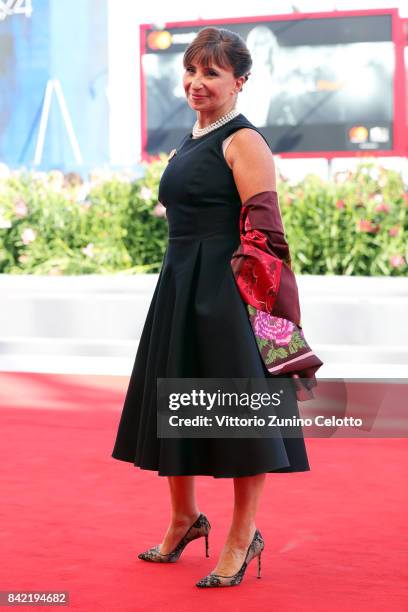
252 163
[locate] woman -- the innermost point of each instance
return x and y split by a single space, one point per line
197 324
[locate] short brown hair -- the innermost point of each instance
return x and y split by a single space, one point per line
222 47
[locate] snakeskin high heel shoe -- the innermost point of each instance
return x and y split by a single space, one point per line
201 527
254 550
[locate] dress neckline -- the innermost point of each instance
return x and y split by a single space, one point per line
190 136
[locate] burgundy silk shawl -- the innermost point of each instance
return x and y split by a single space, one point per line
262 270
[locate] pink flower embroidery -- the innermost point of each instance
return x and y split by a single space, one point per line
268 327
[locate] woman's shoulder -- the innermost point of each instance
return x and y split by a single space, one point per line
245 130
243 140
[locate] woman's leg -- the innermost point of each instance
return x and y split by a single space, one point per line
247 495
184 510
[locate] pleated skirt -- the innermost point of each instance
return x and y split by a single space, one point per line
197 326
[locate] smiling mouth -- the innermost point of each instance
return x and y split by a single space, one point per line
196 96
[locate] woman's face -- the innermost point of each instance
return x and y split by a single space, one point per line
209 88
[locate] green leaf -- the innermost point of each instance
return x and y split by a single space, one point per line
296 342
274 354
262 342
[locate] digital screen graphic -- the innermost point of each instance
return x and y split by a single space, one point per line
316 84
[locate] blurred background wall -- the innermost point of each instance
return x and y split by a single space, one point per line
65 41
92 48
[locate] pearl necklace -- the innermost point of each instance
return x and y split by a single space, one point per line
198 132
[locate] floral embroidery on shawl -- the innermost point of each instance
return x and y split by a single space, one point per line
262 270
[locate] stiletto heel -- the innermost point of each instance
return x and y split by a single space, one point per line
200 527
259 565
254 550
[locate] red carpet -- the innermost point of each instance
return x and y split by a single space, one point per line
73 519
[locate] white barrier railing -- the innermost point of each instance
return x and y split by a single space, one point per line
93 322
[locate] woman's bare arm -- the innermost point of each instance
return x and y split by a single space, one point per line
252 163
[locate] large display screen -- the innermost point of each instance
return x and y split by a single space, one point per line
317 84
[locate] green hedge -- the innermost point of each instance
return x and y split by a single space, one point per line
55 224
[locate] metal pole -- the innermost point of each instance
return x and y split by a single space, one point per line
43 123
55 85
68 123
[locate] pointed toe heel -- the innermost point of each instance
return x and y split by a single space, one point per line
254 550
201 527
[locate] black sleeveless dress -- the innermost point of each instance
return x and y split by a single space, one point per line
197 324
